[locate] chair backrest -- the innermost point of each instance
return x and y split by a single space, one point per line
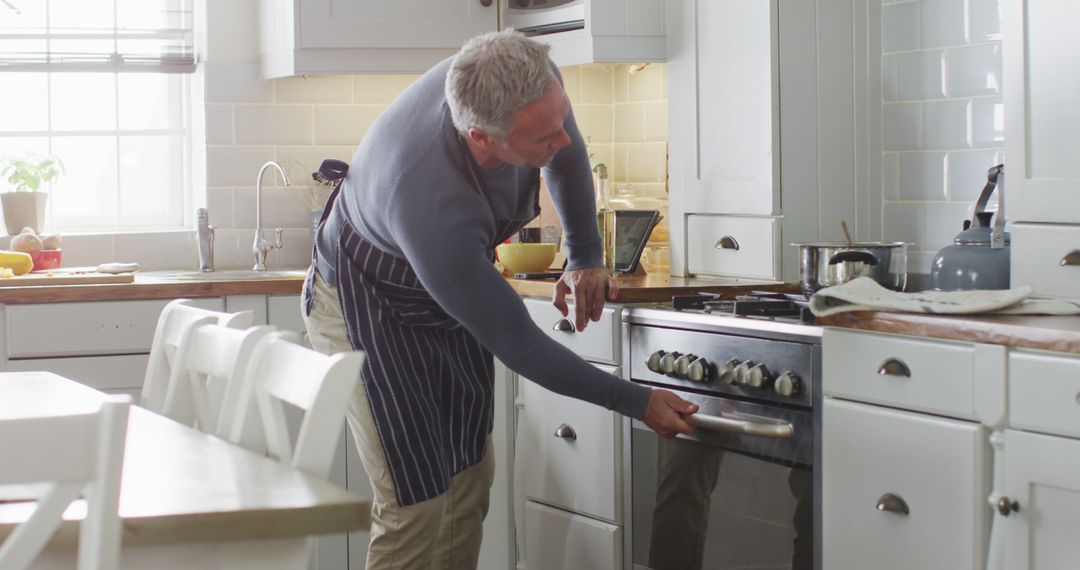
206 380
320 385
73 455
176 320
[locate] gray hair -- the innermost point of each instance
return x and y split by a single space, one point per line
492 76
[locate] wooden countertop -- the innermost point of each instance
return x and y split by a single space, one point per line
1060 334
654 287
179 284
180 485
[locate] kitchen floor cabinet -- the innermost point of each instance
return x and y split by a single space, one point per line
750 81
1042 186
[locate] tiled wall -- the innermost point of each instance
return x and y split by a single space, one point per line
942 116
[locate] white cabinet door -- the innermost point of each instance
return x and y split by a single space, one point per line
1041 476
875 460
559 540
393 24
1039 47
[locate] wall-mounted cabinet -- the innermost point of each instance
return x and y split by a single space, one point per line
614 31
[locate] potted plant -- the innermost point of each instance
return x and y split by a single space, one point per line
25 206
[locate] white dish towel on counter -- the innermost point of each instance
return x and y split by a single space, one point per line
865 294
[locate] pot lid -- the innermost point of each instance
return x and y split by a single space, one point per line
853 245
977 236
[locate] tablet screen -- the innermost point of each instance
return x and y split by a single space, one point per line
632 228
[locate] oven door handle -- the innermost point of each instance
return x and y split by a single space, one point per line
742 427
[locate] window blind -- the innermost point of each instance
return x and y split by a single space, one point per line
97 35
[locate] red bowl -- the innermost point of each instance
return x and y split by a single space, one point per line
46 259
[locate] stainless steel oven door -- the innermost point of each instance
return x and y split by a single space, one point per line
736 494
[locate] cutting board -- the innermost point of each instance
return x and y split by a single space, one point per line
67 276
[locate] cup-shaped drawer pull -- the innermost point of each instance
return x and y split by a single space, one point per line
727 242
564 431
894 367
893 503
1071 259
563 325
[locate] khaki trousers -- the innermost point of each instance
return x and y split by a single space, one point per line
441 533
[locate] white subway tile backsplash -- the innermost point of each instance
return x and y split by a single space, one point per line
88 250
922 176
273 124
621 79
901 123
594 122
967 173
645 163
571 77
159 250
629 122
344 125
988 122
890 173
618 162
380 88
295 250
942 223
236 82
920 261
282 207
920 75
890 91
232 249
303 160
900 27
902 223
975 70
219 124
232 33
985 20
321 89
605 154
945 124
596 84
656 121
235 165
221 206
941 23
647 84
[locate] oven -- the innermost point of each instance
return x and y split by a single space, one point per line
743 490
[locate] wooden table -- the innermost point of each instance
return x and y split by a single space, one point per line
187 499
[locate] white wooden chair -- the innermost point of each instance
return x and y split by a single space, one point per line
205 388
74 455
287 373
176 320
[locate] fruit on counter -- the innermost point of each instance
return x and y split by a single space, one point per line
19 262
51 242
27 241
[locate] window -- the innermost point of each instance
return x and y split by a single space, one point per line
102 85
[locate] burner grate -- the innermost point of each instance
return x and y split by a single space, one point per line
756 304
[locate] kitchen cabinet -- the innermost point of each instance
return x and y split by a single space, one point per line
319 37
1042 182
750 81
560 539
614 31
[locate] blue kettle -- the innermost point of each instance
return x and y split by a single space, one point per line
979 255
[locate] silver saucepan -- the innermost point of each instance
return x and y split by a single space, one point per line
824 264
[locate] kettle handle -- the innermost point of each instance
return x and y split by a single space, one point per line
992 178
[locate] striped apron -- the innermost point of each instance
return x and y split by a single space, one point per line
429 382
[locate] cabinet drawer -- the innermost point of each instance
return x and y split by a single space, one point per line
558 539
1044 393
574 453
599 341
100 372
870 452
69 329
1038 252
936 377
738 247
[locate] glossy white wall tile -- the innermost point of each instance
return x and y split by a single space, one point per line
922 176
985 23
327 89
596 84
988 122
900 27
219 124
901 123
343 125
975 70
920 75
902 223
594 122
236 82
273 124
945 124
941 23
890 175
966 173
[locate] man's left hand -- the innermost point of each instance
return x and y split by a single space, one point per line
590 287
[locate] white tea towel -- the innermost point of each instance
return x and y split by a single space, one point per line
865 294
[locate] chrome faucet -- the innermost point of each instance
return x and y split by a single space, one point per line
262 247
205 234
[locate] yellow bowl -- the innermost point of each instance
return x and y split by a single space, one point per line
526 257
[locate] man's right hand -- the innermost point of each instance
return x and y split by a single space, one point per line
666 413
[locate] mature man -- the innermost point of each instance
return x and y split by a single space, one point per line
403 270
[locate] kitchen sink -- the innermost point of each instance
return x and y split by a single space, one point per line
228 275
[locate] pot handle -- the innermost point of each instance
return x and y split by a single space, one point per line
845 256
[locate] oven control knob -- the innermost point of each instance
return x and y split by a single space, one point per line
653 363
787 384
742 372
726 371
699 370
758 377
682 365
667 362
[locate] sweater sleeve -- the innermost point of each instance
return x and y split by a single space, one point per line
445 238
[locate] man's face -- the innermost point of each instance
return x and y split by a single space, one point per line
537 133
